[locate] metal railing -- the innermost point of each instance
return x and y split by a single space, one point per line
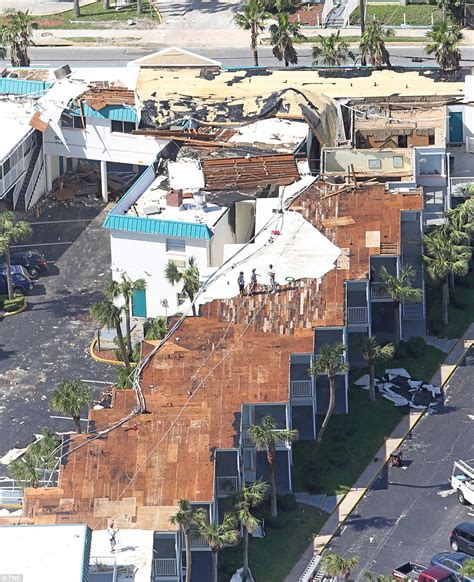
164 567
357 315
198 541
348 10
327 9
227 484
301 388
34 178
247 441
310 569
379 291
455 182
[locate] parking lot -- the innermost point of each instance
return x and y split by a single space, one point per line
49 342
404 517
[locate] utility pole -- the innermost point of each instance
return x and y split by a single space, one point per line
363 62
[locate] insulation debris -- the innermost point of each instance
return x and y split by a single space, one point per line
398 387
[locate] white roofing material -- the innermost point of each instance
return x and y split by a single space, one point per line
15 116
186 174
397 372
43 552
115 76
134 548
283 134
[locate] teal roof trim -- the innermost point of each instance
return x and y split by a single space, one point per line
156 226
114 112
22 87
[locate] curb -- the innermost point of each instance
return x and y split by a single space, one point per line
22 308
322 547
97 358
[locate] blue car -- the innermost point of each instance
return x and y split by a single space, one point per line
452 561
21 281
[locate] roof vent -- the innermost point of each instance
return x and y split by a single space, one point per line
200 200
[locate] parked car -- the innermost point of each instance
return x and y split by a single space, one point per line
452 561
33 261
462 481
21 281
414 571
462 538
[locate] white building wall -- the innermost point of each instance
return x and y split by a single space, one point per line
143 256
244 220
98 142
223 234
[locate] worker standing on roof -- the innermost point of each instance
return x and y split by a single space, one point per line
241 283
112 531
253 282
271 277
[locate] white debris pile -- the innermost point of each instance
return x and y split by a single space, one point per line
399 387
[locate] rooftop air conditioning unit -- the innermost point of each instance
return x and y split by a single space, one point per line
62 72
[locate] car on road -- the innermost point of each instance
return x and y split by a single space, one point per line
20 279
33 261
461 538
452 561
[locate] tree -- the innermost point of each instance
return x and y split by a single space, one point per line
70 397
185 518
139 7
189 277
266 435
17 35
442 257
11 231
335 566
363 59
252 17
156 329
106 4
250 496
331 51
25 470
400 288
282 35
77 9
372 351
331 363
379 577
467 569
443 42
110 316
372 44
38 457
461 219
125 289
218 535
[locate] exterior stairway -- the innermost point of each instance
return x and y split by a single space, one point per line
20 205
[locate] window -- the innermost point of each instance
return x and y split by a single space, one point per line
123 126
174 245
249 460
72 121
375 164
181 298
398 161
402 141
431 139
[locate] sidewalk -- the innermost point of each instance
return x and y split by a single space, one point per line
371 472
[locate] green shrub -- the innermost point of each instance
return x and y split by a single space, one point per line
136 352
416 346
338 457
436 322
279 522
123 381
343 434
457 301
155 329
286 502
402 351
10 305
313 480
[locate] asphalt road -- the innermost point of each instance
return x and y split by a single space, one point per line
49 342
118 56
403 517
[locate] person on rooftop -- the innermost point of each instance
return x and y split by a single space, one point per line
241 283
253 282
271 277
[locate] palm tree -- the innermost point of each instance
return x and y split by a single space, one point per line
38 457
252 17
189 277
185 518
379 577
250 496
363 60
110 316
467 569
335 566
282 35
442 257
372 44
11 232
461 218
25 470
331 51
331 363
400 288
17 35
70 397
266 435
77 9
156 329
219 535
372 351
443 42
125 289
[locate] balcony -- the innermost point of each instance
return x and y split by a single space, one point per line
164 567
357 315
301 388
198 541
227 485
379 291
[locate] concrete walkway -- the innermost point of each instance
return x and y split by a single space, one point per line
42 8
371 472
